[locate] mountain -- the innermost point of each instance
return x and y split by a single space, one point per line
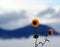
25 32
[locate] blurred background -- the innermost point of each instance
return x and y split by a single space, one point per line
16 17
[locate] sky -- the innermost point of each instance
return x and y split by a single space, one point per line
27 4
11 11
16 13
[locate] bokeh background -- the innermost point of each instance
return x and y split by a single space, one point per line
16 17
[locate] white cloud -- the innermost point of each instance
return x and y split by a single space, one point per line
14 20
19 20
23 42
51 19
11 5
18 4
15 24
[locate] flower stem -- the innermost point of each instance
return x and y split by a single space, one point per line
44 41
36 43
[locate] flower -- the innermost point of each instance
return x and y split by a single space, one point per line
35 22
36 36
50 32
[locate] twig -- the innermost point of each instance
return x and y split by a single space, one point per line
36 43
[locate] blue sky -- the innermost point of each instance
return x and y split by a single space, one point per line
27 4
56 2
49 2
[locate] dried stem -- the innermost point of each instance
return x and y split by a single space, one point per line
36 43
43 42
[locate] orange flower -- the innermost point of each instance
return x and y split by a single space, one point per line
50 32
35 22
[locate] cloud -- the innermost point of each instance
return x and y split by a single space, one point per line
13 20
5 18
56 15
50 15
26 4
45 15
50 18
19 4
45 12
30 41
